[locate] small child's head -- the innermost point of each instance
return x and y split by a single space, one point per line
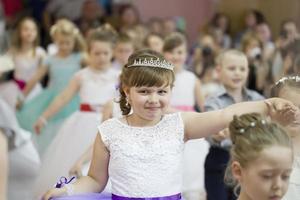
289 88
232 67
261 158
252 46
124 48
101 42
145 84
26 33
175 49
67 37
154 41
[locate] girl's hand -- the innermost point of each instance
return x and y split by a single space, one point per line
283 111
55 192
39 124
76 170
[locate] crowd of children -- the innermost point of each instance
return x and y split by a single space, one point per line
134 113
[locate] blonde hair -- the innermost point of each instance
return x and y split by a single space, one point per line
137 76
16 39
68 28
105 33
250 135
220 58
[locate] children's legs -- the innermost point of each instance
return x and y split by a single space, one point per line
215 165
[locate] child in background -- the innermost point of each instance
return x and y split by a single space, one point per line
154 41
186 95
61 67
27 55
261 158
19 159
142 151
232 67
95 85
289 88
124 48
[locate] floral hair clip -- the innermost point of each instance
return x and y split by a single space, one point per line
252 125
283 79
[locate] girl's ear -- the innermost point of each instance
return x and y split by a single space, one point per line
236 171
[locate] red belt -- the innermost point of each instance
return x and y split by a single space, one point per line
90 108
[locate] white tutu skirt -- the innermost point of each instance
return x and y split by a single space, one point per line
74 137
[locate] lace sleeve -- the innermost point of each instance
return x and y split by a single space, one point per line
105 133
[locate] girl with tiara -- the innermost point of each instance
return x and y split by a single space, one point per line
95 85
289 88
141 152
186 94
261 158
61 67
27 55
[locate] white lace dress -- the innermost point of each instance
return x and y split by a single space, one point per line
145 161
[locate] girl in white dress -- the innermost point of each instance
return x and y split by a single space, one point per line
96 85
289 88
261 158
27 55
186 95
142 151
19 159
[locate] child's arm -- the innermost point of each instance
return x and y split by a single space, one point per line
3 165
76 169
84 158
60 101
199 95
199 125
97 177
40 73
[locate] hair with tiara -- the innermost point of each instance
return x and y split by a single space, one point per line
292 82
250 135
144 68
105 33
68 28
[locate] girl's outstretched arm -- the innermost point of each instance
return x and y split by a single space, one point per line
97 176
76 169
59 102
198 125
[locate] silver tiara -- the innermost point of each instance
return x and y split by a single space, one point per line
252 124
152 63
283 79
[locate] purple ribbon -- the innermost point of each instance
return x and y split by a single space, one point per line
63 181
172 197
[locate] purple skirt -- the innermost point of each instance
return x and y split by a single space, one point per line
107 196
90 196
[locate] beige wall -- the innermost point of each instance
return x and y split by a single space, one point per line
274 10
195 12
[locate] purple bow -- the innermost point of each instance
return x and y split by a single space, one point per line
63 181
